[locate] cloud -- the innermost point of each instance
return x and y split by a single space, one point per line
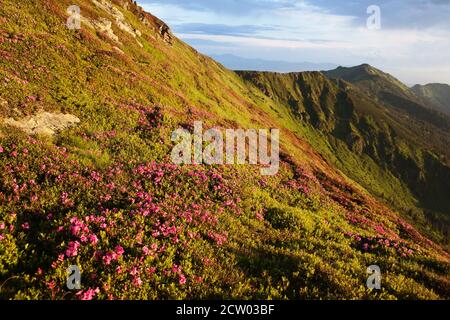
222 29
268 42
414 33
229 7
395 13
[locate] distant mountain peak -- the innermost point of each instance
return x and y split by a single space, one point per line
360 70
371 79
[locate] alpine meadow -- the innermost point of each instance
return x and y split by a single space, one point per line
94 95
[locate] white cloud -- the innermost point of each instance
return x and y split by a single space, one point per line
308 33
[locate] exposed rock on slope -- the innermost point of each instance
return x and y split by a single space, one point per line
118 16
156 25
105 26
44 123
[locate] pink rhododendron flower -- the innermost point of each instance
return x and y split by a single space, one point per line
137 281
95 176
176 268
65 199
93 239
88 294
32 98
182 279
72 249
51 285
75 230
107 258
119 250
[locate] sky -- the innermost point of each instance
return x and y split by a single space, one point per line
409 39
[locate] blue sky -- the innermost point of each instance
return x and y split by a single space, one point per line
413 42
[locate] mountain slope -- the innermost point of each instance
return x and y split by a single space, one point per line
412 154
436 94
103 194
417 122
392 93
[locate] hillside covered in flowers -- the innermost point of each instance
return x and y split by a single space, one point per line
103 194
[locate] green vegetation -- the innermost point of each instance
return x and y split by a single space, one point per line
436 95
383 149
104 196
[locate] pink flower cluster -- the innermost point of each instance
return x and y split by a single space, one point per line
294 184
153 210
369 244
150 119
88 294
72 249
113 255
219 239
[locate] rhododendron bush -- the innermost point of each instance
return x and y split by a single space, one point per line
105 197
128 227
149 230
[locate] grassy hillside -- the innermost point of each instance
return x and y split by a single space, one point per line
436 94
397 158
104 195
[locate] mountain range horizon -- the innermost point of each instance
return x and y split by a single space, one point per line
239 63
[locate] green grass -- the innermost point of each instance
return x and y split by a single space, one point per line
227 232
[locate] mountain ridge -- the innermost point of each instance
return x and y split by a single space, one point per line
387 135
436 94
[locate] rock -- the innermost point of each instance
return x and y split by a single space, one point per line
118 50
105 26
158 26
161 29
165 32
118 16
44 123
3 103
